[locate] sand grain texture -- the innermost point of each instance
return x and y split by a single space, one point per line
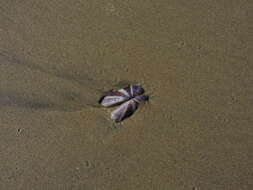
194 58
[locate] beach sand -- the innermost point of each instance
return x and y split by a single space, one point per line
194 58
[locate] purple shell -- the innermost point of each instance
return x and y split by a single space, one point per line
135 90
123 111
140 99
114 98
128 108
121 95
129 98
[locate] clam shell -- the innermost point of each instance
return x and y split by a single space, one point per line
124 110
114 98
121 95
128 98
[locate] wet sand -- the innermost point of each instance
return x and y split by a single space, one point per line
194 58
